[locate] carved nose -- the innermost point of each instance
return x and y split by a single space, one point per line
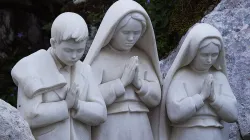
73 56
130 37
209 60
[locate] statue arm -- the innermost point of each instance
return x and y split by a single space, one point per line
150 93
150 90
39 114
111 90
180 106
225 103
92 111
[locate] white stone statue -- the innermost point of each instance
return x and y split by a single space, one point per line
197 96
124 59
57 94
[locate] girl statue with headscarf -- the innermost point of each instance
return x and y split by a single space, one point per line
197 96
124 59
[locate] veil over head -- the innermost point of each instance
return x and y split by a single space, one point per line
113 16
189 47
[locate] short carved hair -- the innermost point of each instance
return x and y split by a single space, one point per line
67 26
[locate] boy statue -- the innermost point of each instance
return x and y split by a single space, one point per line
57 94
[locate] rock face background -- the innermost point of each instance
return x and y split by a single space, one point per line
12 125
232 18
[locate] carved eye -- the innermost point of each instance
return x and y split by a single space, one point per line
68 50
137 32
204 54
125 32
80 50
214 54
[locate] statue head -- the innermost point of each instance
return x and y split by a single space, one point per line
117 22
207 54
128 31
201 48
69 35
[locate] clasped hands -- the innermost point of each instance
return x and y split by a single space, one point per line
130 73
72 96
207 91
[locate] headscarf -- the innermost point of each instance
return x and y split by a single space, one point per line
188 50
113 16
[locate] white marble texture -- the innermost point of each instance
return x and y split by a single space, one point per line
57 94
125 61
196 94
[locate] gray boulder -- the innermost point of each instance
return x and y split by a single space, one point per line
12 125
232 18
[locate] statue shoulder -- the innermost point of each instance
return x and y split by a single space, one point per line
182 73
219 75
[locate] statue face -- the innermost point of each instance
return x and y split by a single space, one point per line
125 38
206 57
69 51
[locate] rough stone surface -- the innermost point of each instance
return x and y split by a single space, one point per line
12 125
232 18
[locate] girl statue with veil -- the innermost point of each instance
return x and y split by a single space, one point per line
197 96
125 62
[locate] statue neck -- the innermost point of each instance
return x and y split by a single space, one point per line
199 71
118 51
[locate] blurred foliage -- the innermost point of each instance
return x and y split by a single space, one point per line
172 18
26 27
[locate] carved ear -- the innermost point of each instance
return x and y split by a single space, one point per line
52 42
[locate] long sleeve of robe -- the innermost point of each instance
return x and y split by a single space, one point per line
185 102
93 110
